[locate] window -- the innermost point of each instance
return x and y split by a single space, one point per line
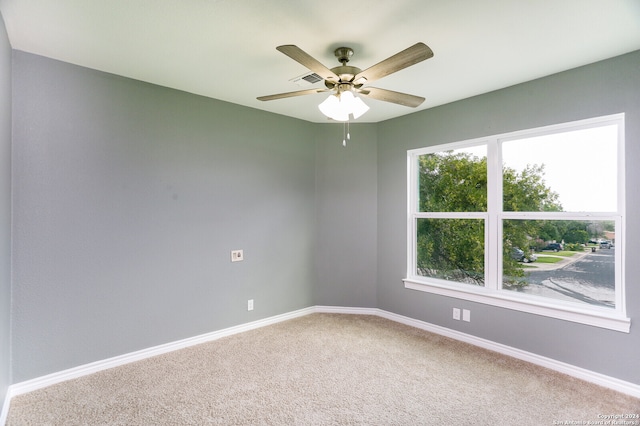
530 220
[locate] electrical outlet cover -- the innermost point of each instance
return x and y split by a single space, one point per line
237 255
456 314
466 315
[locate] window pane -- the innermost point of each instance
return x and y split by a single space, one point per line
572 171
571 260
453 181
451 249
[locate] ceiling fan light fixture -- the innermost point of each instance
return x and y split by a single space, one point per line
358 108
340 105
331 108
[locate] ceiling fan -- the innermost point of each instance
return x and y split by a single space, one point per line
344 81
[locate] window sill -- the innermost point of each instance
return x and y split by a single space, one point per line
603 318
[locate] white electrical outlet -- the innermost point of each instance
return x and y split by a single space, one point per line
456 314
466 315
237 255
250 305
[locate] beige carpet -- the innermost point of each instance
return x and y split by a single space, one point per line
324 369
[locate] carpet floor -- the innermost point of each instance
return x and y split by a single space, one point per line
325 369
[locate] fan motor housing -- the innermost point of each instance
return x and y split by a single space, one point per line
346 74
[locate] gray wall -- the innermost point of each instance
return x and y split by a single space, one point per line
599 89
5 211
127 200
346 188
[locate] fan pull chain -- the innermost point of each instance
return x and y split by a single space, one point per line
345 131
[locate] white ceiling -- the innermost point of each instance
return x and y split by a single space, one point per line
225 49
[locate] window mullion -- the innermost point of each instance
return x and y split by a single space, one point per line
412 208
494 206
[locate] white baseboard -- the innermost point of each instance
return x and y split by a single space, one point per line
83 370
346 310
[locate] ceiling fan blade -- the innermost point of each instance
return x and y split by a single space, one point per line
391 96
401 60
291 94
299 55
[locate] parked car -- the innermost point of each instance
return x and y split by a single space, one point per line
605 244
519 255
553 246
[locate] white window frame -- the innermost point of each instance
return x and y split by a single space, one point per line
492 293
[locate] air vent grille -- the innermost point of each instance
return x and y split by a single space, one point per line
312 78
307 79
